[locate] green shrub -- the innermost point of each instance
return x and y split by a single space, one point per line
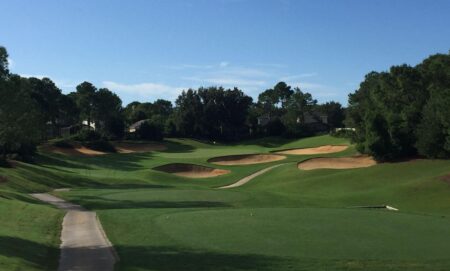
63 143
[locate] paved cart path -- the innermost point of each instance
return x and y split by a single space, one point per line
84 245
250 177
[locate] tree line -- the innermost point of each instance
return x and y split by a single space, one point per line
404 112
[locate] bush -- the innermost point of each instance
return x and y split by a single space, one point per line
63 143
100 145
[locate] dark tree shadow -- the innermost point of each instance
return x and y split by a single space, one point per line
98 203
176 258
43 256
177 147
163 258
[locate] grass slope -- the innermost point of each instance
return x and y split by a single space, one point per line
286 219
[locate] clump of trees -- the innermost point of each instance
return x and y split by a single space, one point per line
405 111
33 110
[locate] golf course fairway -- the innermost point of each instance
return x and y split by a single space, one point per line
283 219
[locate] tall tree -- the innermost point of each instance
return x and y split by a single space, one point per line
85 98
107 110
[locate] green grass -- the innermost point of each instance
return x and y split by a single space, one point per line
286 219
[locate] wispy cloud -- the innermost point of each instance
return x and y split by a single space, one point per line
145 91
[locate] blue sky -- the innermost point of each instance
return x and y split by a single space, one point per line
144 50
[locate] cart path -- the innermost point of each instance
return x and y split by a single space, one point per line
250 177
84 245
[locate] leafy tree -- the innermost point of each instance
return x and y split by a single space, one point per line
85 99
47 95
20 119
107 110
296 106
389 114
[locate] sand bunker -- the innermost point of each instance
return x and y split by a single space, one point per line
245 159
131 147
337 163
191 170
76 150
316 150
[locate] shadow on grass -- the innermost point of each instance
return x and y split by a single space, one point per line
38 255
175 258
165 258
177 147
119 162
92 202
46 179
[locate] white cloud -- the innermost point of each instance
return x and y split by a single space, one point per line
144 91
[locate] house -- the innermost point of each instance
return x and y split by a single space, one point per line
133 127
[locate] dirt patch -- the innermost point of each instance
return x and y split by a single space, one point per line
191 170
246 159
130 147
315 150
337 163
